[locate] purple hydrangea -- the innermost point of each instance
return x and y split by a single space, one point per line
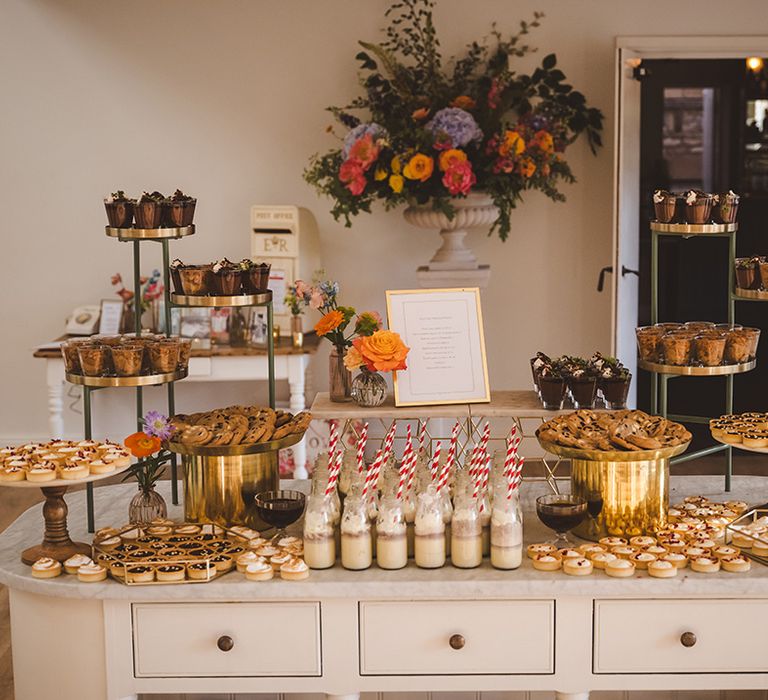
455 125
375 130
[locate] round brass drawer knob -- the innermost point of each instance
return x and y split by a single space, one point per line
457 641
225 643
687 639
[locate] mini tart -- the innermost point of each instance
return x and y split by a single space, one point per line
109 544
288 541
267 551
589 547
724 551
673 515
72 564
675 545
732 437
736 565
41 474
170 572
567 553
642 559
642 541
139 574
294 570
577 566
257 542
705 565
547 561
91 573
131 535
694 552
46 568
13 474
620 568
73 472
259 571
141 554
738 506
542 548
223 562
741 540
201 571
246 558
279 559
760 549
601 559
98 466
188 530
613 542
680 561
662 569
657 550
116 568
755 439
623 551
159 530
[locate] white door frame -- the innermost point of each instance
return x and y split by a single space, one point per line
626 207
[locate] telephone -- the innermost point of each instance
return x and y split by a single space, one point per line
84 320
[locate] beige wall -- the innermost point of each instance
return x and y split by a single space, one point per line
225 99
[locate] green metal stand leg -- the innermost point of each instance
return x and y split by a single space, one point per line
174 468
729 451
654 277
171 389
664 379
654 394
88 430
271 356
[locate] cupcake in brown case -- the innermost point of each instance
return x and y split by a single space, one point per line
149 210
698 207
726 207
664 206
226 278
179 209
255 276
748 273
119 209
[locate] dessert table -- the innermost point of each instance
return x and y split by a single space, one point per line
220 363
369 631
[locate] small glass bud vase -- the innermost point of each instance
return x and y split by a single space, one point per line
146 506
297 331
369 389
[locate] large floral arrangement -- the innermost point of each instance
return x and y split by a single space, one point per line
436 130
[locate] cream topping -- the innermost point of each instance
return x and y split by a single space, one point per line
258 567
267 551
661 565
248 558
78 560
604 556
621 564
705 561
91 568
644 556
294 566
45 564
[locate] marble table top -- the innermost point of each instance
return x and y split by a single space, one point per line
411 582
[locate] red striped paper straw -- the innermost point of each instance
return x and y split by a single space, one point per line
373 475
486 436
361 449
389 441
334 474
403 478
333 441
518 473
422 435
435 464
509 460
412 470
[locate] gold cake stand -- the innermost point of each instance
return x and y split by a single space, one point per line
149 234
693 229
57 543
754 294
741 446
695 371
220 482
139 380
221 301
633 487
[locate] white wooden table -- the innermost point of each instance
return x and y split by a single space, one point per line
343 632
215 365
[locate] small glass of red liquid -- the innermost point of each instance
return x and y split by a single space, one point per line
561 513
280 509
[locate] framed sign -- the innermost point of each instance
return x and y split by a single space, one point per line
111 316
444 330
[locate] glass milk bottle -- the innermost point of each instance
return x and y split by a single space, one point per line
409 510
484 507
372 508
506 530
391 540
356 546
348 472
466 533
446 506
429 528
319 540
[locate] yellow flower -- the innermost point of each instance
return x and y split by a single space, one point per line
419 167
353 359
513 144
396 165
330 322
463 102
527 167
451 156
396 182
380 174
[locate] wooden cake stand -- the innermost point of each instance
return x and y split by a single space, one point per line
56 542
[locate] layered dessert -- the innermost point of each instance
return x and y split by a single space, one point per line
726 207
391 538
319 540
466 535
226 278
149 210
429 545
179 209
356 547
506 538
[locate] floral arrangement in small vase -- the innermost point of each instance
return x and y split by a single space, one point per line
147 504
367 345
151 290
295 302
436 129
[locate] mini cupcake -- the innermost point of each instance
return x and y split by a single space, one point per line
119 209
748 273
226 278
149 210
726 207
255 276
664 205
698 207
179 209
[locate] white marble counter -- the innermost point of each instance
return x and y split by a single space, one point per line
411 582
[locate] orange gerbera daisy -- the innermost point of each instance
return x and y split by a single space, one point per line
330 322
142 445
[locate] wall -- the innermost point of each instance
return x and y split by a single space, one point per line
225 99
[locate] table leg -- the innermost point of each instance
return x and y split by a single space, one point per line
56 408
297 366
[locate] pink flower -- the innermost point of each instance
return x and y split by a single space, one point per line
351 174
357 185
364 151
459 178
316 300
302 288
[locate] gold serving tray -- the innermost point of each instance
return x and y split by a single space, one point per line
692 371
741 446
141 380
692 229
214 301
149 234
612 455
63 482
235 450
756 294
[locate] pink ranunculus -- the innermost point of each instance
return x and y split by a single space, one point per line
459 178
351 173
316 300
357 185
302 288
364 151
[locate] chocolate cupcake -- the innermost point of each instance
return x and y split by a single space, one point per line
179 209
119 209
726 207
664 205
748 274
175 270
698 207
226 278
255 276
149 210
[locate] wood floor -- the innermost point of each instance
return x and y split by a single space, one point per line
13 502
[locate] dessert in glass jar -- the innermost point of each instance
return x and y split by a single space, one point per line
726 207
648 342
149 210
319 539
506 530
391 539
119 209
226 278
179 209
466 533
709 348
429 545
664 206
676 347
698 207
356 547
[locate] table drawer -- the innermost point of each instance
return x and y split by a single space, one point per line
268 639
457 638
680 636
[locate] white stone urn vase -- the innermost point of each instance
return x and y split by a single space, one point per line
454 261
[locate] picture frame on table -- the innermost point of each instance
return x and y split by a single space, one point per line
447 361
111 317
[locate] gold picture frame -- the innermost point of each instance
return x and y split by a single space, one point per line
473 361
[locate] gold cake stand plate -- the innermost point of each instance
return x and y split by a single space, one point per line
149 234
57 543
612 455
741 446
686 371
222 301
235 450
141 380
693 229
755 294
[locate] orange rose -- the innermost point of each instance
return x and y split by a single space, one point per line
512 144
463 102
419 167
330 322
450 157
384 351
142 445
